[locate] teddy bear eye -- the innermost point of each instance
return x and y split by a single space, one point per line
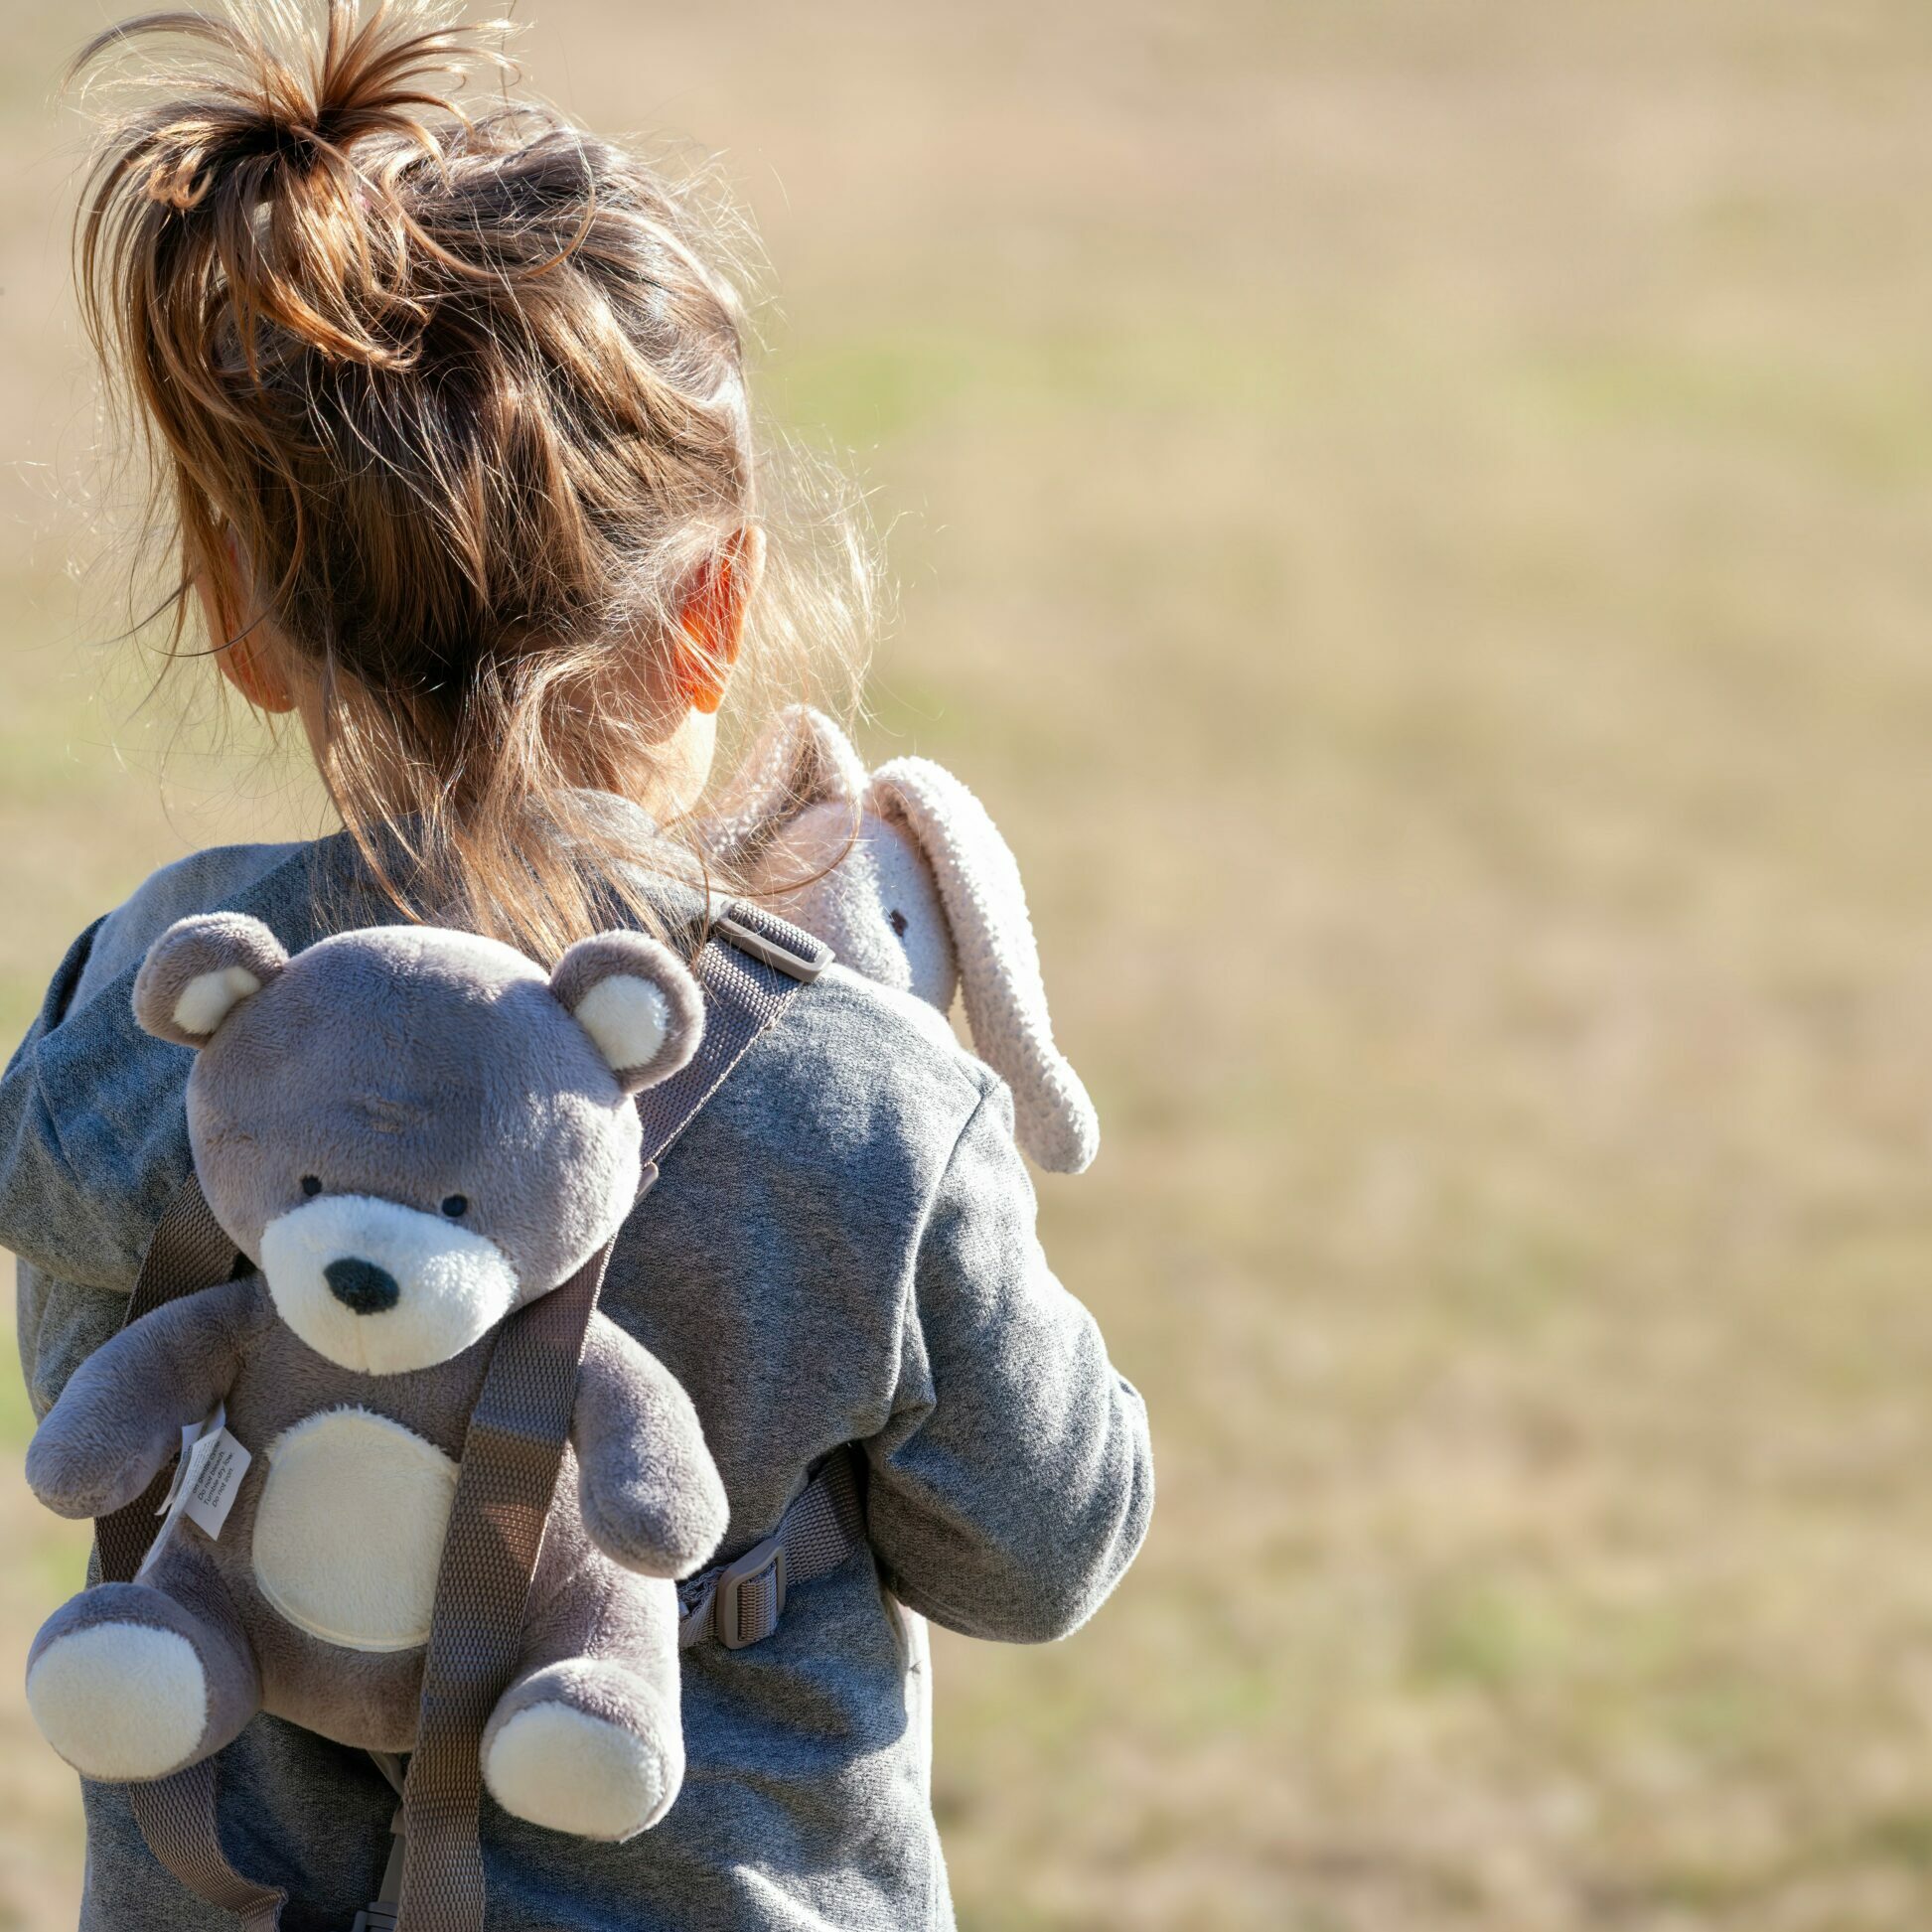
898 921
311 1185
455 1204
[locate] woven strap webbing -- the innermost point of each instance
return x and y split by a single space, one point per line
510 1457
509 1470
189 1251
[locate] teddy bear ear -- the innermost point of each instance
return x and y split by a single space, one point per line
198 970
638 1003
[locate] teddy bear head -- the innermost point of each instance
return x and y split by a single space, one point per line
413 1131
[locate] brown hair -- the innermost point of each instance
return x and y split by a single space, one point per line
463 392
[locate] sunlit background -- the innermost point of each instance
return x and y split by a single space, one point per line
1418 519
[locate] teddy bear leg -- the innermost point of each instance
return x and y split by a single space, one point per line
589 1739
133 1680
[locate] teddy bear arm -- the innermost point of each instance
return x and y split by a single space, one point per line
652 1499
120 1417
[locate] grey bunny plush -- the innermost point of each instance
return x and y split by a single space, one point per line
905 876
410 1133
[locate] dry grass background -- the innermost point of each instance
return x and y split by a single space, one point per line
1416 520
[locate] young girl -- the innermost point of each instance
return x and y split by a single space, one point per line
449 416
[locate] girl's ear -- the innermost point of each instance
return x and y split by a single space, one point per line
245 651
248 663
713 619
638 1003
198 970
1005 996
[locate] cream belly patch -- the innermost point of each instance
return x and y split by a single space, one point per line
348 1531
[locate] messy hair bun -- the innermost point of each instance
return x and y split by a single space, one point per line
454 398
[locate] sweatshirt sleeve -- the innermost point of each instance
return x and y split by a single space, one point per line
94 1134
56 1326
1014 1480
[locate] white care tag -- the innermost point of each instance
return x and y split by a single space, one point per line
208 1478
214 1481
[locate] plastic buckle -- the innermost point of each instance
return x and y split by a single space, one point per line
729 920
752 1588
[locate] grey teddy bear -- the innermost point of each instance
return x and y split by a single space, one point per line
409 1132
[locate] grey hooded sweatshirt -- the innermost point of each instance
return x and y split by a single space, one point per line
841 1249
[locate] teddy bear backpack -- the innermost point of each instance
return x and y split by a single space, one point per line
477 1513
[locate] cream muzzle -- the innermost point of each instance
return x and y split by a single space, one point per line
381 1288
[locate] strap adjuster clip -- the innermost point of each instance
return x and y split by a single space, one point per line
736 923
751 1595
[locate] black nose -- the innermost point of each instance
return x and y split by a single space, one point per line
362 1285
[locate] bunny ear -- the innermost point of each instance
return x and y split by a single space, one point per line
803 759
1005 997
826 767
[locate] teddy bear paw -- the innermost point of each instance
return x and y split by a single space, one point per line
561 1768
119 1699
584 1749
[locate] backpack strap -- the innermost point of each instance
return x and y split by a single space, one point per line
751 967
750 970
742 1602
189 1250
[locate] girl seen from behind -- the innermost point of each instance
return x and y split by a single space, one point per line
447 413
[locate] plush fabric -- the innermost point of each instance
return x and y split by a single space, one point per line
841 1247
122 1414
79 1688
906 877
555 1762
349 1522
650 1494
112 1699
869 894
801 759
414 1132
411 1065
381 1287
197 973
632 998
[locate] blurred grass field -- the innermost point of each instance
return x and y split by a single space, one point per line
1418 520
